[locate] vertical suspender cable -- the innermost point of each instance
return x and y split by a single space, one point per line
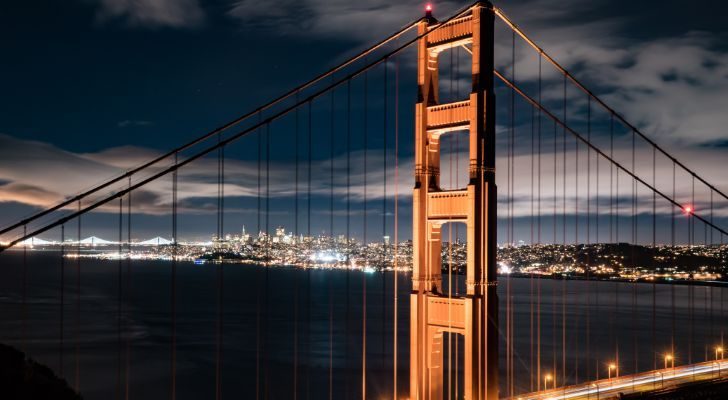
672 287
691 288
267 256
652 259
333 242
220 270
260 390
587 247
61 305
563 279
348 229
597 215
634 261
396 227
553 284
119 301
309 248
258 333
712 333
24 296
77 380
612 331
366 248
618 247
538 282
509 176
298 244
576 262
173 300
532 244
383 318
128 289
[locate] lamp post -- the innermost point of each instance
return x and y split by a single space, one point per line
610 368
719 351
546 379
669 358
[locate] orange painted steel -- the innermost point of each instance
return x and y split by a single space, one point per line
434 312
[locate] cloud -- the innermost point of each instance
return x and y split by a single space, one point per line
28 194
672 88
358 20
152 13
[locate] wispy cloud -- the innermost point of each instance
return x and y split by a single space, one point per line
358 20
152 13
42 175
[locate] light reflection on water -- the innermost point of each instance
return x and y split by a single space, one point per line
259 307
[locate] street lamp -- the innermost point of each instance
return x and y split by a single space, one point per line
669 358
719 350
546 379
610 368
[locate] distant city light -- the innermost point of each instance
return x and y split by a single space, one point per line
504 269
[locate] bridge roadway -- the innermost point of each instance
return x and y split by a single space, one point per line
644 382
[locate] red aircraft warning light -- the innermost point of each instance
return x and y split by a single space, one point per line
688 210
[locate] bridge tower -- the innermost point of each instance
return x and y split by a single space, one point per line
433 313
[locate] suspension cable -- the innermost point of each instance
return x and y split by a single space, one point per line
229 139
618 165
238 120
542 54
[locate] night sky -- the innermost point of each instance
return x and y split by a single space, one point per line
93 87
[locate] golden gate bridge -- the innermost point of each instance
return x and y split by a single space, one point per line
570 168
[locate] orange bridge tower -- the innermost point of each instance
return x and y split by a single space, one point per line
433 312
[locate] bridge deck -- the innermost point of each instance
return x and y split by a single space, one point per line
643 382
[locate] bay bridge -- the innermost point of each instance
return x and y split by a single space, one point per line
488 142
